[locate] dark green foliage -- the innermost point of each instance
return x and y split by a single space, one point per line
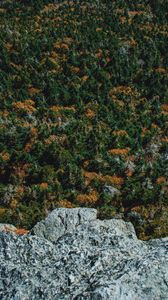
83 104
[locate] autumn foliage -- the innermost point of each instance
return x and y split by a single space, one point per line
83 109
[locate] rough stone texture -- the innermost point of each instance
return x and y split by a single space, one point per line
135 217
4 227
112 191
88 259
61 221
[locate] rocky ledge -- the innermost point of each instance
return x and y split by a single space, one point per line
73 255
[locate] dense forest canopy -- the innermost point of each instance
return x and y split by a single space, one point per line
84 110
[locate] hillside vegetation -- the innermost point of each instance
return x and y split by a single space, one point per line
84 110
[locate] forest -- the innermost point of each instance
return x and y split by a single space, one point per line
84 110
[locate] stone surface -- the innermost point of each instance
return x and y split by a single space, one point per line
61 221
112 191
73 255
133 216
5 227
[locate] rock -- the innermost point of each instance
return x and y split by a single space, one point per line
165 156
130 166
119 216
141 62
112 191
135 217
7 227
88 259
61 221
147 183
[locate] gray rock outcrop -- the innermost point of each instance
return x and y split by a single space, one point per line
5 227
61 221
73 255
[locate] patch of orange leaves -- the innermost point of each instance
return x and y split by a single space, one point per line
19 231
90 113
118 151
4 156
160 70
161 180
27 106
125 90
119 133
43 185
114 179
33 91
65 203
164 139
88 198
164 107
57 108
